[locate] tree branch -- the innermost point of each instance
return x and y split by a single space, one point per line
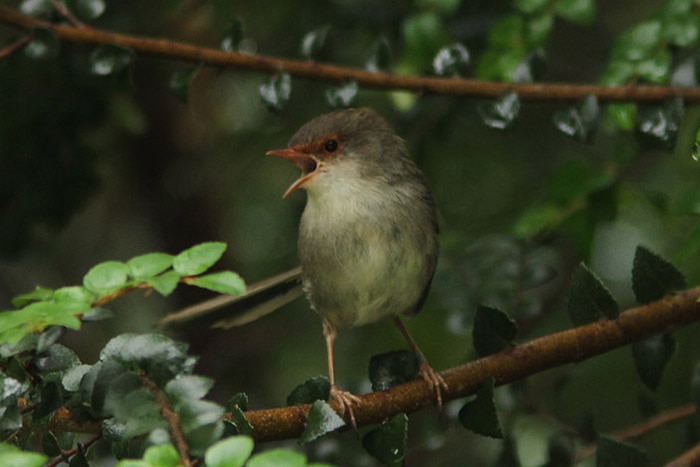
189 53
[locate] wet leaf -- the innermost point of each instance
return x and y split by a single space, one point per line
309 391
180 82
579 122
589 299
232 37
43 45
225 282
188 387
614 453
342 96
530 68
388 442
321 419
35 7
277 91
230 452
479 415
651 357
451 60
379 56
106 277
312 43
108 60
493 331
392 368
500 114
653 277
661 123
199 258
87 9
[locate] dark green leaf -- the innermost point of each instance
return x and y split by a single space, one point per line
79 459
49 444
661 123
149 265
392 368
109 60
342 96
614 453
321 419
493 331
651 357
579 122
561 451
230 452
313 42
479 415
225 282
50 401
195 414
106 277
179 85
653 277
531 68
87 9
276 92
508 457
48 337
10 419
232 37
71 378
500 114
10 389
139 413
43 45
388 442
309 391
451 60
97 314
238 400
589 299
379 56
37 295
106 385
240 422
695 386
187 388
165 283
199 258
56 357
577 11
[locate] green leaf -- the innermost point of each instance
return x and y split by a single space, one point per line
277 91
225 282
500 114
379 56
452 60
43 45
72 377
79 459
656 69
530 6
230 452
188 387
107 60
388 442
199 258
276 458
581 12
87 9
238 400
623 115
149 265
493 331
39 294
681 29
312 43
194 414
180 82
579 122
232 37
423 35
589 299
14 456
614 453
48 337
392 368
57 357
638 42
653 277
661 123
321 419
164 455
139 413
311 390
49 444
479 415
166 283
106 277
51 400
73 294
651 357
240 422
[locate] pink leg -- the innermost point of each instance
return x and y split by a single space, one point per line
345 399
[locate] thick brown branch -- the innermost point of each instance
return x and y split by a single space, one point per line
338 74
573 345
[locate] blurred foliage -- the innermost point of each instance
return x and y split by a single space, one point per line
100 158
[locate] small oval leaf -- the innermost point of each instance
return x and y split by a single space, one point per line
653 277
199 258
388 442
479 415
106 277
321 419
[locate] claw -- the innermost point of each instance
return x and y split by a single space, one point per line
435 381
346 401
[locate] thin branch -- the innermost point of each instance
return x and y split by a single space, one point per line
67 454
641 429
15 46
688 458
189 53
63 11
172 418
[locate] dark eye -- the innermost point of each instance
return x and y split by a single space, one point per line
331 145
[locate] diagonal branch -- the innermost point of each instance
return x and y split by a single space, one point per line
185 52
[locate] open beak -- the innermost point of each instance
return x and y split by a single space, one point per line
304 162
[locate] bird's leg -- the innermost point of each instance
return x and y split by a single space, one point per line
434 380
345 399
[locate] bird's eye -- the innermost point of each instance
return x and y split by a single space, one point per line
331 145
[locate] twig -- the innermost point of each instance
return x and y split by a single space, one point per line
15 46
172 418
689 458
639 430
186 52
63 11
74 451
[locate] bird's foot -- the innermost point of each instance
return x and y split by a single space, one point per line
435 381
346 401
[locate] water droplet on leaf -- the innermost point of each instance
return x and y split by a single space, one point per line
313 42
276 92
451 60
342 96
501 114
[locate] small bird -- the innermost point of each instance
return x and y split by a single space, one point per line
368 236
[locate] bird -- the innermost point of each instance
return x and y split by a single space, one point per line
368 235
367 243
